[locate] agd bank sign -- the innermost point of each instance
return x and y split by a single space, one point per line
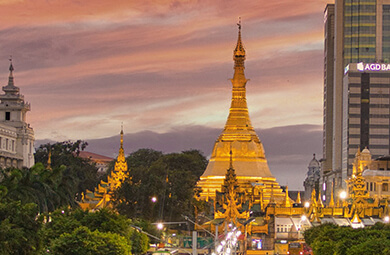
372 67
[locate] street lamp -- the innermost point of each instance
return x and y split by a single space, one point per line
154 199
303 219
160 226
386 219
307 204
343 195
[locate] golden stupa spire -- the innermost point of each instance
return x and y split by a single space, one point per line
287 199
299 201
121 170
48 167
319 202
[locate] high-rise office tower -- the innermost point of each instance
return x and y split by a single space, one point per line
356 31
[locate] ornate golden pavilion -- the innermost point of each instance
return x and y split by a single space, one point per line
101 196
239 138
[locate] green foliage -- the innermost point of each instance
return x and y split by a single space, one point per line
79 174
64 223
83 241
46 188
171 178
334 240
19 225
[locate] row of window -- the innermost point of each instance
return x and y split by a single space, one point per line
7 144
283 228
371 186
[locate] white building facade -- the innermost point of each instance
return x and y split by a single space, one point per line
16 135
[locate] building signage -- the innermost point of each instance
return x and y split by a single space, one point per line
372 67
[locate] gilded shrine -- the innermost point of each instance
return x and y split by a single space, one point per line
101 196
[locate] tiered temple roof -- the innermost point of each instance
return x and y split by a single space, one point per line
101 196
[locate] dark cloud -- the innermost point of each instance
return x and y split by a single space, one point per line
288 149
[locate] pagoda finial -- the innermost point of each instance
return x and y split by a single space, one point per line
231 157
48 167
287 199
299 201
239 51
122 135
11 76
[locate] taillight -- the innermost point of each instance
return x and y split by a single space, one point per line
300 252
288 252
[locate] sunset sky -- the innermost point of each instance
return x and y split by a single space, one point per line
86 66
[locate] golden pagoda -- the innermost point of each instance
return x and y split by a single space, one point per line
101 196
239 136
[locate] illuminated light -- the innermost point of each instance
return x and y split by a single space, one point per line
288 252
213 253
238 233
229 235
343 195
219 248
223 242
307 204
62 211
303 218
324 186
230 225
300 252
283 241
323 197
154 199
173 234
160 226
387 219
228 251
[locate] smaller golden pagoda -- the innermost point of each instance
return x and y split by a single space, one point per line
101 196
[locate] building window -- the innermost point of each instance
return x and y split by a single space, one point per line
7 115
385 187
6 144
13 145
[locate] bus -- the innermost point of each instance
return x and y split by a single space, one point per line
299 248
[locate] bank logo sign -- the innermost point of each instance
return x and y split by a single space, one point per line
372 67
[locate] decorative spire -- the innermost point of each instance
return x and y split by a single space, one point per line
319 202
231 157
287 199
299 201
48 167
11 89
239 51
11 76
238 118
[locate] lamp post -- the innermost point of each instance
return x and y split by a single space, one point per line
303 219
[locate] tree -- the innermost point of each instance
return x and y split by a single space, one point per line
332 239
79 174
65 222
83 241
48 188
19 225
171 178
